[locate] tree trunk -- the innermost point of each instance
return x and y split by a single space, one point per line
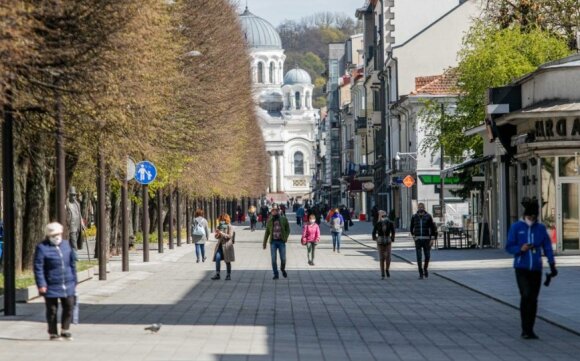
20 177
115 223
36 209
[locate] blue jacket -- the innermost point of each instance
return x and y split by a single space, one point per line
55 269
300 212
519 234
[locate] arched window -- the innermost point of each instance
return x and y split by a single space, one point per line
298 163
272 73
308 101
298 100
260 73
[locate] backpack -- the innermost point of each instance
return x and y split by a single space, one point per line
198 229
335 222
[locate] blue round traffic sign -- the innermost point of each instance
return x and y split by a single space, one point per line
145 172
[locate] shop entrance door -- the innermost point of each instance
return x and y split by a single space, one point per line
569 216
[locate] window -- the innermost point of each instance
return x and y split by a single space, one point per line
298 100
272 73
260 73
298 163
288 101
308 101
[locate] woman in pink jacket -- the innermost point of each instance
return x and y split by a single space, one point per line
310 237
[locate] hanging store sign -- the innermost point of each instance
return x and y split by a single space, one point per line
550 129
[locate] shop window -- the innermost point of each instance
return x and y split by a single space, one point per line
567 167
548 184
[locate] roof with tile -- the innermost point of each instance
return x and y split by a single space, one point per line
443 84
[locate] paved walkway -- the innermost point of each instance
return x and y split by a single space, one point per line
336 310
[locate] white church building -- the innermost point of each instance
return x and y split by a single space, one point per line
284 109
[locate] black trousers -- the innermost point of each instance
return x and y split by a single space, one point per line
423 246
52 312
529 283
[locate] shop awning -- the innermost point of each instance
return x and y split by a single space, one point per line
467 164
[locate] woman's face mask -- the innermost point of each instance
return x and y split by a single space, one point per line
312 221
55 240
222 222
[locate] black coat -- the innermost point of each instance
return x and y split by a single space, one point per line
423 227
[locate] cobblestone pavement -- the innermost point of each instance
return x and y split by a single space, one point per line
338 309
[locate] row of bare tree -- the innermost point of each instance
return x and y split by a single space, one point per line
166 81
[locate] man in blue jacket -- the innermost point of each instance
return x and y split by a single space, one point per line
424 232
56 279
527 239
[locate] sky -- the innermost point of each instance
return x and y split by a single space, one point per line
276 11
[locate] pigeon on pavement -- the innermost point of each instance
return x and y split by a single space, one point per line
154 328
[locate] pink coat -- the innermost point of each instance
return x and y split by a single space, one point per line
310 233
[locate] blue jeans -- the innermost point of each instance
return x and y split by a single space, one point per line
281 247
200 248
218 261
336 240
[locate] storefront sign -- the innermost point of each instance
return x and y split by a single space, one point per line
558 128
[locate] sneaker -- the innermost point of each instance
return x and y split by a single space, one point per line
420 277
55 338
216 277
284 274
203 259
197 261
426 273
383 276
388 274
228 278
275 277
66 335
310 263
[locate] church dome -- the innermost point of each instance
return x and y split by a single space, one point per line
297 76
259 33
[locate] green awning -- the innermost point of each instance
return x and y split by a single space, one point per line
430 179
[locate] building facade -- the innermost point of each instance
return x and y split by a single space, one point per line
285 112
532 149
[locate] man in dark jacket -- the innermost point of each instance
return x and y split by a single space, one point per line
56 279
424 231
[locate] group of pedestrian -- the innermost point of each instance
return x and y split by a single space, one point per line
55 258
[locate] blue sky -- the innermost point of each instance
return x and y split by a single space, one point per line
276 11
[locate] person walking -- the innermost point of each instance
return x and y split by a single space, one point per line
300 215
345 213
277 233
424 231
253 215
224 248
199 234
239 214
375 214
336 223
384 235
264 215
56 278
310 237
527 239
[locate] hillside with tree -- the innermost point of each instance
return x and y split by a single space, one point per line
306 44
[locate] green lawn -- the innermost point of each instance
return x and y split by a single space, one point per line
27 279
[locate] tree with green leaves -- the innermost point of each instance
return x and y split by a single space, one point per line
491 57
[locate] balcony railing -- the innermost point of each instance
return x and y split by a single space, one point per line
405 165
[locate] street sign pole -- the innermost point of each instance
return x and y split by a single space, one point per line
178 215
170 217
125 226
159 221
145 223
